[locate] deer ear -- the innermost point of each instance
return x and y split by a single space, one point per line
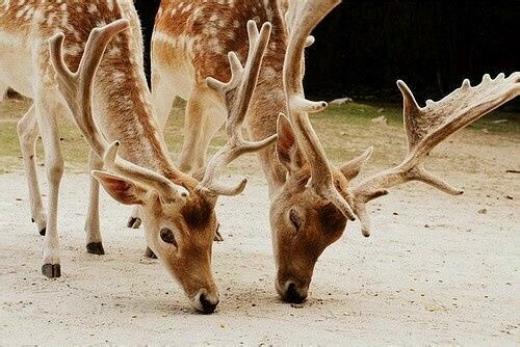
352 168
122 189
286 146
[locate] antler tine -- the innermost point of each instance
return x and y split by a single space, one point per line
428 126
76 88
302 18
238 92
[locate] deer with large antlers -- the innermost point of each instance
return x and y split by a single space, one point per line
311 199
92 70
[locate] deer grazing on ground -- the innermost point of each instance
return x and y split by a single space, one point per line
311 199
83 59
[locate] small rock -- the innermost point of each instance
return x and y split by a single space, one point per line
381 110
509 197
499 121
485 131
396 214
380 120
341 101
482 211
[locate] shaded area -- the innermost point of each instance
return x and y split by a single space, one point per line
364 46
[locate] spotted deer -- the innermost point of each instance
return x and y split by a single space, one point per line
83 60
311 199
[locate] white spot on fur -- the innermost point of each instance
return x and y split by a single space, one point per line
92 8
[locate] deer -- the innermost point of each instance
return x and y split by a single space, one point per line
90 70
311 199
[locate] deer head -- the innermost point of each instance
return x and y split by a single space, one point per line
310 211
177 210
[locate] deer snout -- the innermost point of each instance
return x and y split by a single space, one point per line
293 294
204 302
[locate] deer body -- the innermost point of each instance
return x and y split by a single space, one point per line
190 43
41 44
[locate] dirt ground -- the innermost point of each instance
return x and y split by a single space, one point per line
438 270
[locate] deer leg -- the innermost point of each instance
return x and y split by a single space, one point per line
94 240
28 134
54 164
163 96
205 114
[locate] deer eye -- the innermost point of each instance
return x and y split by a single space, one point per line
295 219
168 236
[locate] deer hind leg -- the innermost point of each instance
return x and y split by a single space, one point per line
28 134
92 229
46 111
205 114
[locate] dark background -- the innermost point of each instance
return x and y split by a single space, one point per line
363 47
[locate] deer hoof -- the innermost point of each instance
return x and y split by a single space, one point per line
149 253
218 237
51 270
43 231
95 248
134 223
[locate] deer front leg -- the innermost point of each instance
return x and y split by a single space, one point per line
28 134
46 115
205 115
92 229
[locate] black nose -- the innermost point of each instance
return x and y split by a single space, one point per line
292 295
207 306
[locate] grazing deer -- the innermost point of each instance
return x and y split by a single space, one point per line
177 210
316 179
311 199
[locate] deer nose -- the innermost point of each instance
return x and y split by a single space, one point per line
293 296
207 305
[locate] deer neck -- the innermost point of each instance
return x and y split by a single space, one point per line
268 102
124 113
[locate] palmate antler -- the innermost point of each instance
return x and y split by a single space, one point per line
237 93
76 88
428 126
302 18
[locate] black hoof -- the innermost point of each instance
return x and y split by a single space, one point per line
32 220
43 231
51 270
149 253
134 223
218 237
95 248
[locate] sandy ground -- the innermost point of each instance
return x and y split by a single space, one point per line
438 273
438 270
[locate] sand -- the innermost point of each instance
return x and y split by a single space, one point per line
436 271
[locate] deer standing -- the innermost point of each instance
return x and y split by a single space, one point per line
41 44
311 199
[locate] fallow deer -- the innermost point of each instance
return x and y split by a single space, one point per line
41 44
315 179
311 199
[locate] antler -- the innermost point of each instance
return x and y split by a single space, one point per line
76 88
238 92
428 126
302 18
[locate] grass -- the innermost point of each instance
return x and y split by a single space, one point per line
345 131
